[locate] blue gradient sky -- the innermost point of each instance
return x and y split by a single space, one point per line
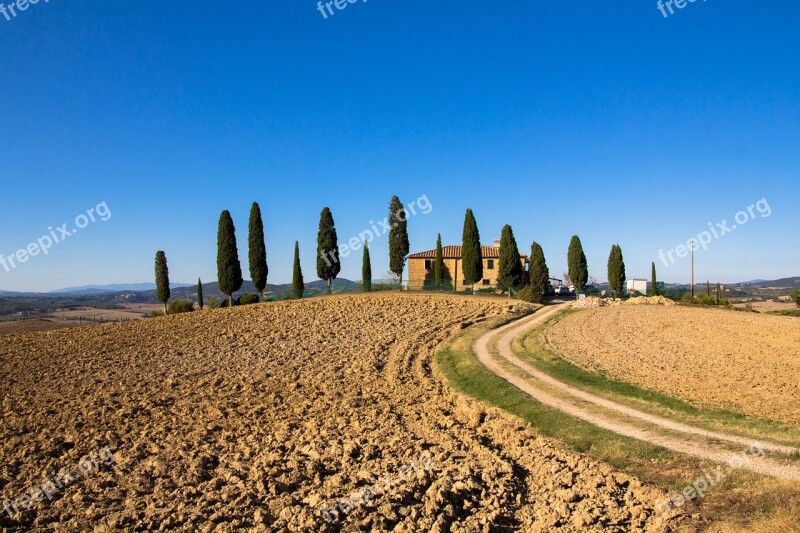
597 118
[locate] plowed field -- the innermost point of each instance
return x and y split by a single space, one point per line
743 362
260 417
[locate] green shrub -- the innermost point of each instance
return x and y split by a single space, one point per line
249 298
706 299
212 303
796 297
490 290
181 306
529 294
155 314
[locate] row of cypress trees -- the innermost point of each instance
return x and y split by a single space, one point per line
328 260
510 270
229 271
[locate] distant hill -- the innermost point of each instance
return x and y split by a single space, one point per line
783 283
114 287
146 292
211 290
14 293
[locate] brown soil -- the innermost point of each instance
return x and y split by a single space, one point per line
128 312
257 417
743 362
765 307
32 325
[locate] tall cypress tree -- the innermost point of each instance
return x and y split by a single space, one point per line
654 281
257 251
616 269
162 279
229 270
398 237
509 266
539 273
366 269
297 274
328 265
438 264
577 266
200 303
471 257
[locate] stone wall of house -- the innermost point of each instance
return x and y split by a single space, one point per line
418 275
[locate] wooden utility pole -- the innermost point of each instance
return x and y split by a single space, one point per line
692 269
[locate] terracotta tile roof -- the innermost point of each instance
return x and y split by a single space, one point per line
454 252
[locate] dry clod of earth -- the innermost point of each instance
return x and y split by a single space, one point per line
743 362
258 417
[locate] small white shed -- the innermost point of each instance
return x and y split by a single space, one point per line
638 285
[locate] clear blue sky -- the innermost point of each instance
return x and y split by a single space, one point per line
603 119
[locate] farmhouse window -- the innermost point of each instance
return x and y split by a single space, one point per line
489 265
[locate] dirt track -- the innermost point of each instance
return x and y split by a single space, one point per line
645 427
258 417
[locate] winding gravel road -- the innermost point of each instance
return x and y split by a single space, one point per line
646 427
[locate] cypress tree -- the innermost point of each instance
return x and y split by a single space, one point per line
509 266
577 266
616 269
162 279
200 294
539 273
398 237
328 265
366 270
297 275
438 264
257 252
471 257
653 282
612 269
229 270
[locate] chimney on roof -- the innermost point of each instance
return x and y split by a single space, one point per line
497 243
